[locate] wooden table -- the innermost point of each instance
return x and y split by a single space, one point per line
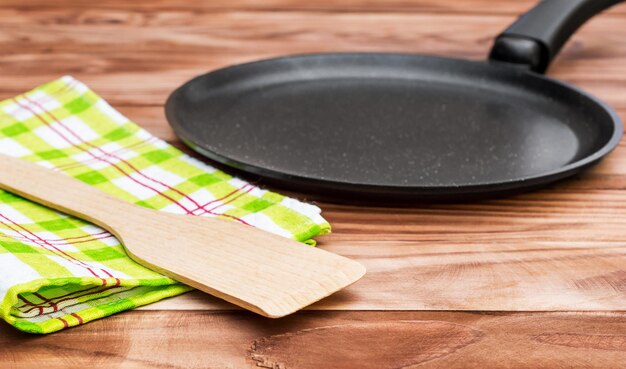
537 280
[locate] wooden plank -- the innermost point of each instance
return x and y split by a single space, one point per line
353 6
380 340
138 58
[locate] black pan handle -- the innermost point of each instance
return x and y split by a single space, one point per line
538 36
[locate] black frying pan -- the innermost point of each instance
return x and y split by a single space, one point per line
379 127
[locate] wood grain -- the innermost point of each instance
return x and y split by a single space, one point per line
312 340
352 6
561 248
138 57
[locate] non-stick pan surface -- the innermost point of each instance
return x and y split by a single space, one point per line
379 127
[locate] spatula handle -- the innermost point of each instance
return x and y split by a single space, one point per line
59 191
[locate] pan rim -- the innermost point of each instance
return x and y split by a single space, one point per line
456 189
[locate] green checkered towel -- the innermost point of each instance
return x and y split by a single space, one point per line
57 271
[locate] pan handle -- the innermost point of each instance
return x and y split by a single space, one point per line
538 36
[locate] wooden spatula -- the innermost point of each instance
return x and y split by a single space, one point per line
259 271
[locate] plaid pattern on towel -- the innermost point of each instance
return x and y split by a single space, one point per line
57 271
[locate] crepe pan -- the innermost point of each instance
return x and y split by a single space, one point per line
380 127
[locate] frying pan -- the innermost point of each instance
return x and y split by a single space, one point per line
380 127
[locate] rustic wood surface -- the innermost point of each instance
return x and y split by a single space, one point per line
562 249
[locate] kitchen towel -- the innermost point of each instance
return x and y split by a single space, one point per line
57 271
